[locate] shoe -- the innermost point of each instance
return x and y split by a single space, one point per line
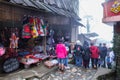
63 70
67 67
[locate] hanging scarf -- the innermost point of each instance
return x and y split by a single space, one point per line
26 32
41 27
34 30
38 25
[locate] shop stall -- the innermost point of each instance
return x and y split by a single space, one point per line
25 45
26 35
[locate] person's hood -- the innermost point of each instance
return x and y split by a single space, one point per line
78 42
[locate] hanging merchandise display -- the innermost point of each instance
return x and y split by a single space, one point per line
14 41
26 32
38 25
33 27
34 31
51 42
41 27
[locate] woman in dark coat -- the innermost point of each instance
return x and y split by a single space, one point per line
86 55
78 51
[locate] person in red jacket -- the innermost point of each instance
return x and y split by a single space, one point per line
94 55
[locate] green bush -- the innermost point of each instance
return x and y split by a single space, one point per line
116 48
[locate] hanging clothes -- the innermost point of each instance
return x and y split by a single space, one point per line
25 20
41 28
34 29
38 25
26 32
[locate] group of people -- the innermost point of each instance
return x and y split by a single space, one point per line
83 55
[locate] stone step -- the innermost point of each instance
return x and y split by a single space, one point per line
38 71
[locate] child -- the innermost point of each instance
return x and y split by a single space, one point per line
108 62
99 62
110 58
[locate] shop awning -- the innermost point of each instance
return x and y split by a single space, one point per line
30 3
91 34
40 5
77 23
23 2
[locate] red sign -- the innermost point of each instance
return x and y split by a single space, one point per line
111 8
111 11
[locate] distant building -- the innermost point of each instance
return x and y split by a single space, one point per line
89 37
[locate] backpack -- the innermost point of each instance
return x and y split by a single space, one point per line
78 51
86 54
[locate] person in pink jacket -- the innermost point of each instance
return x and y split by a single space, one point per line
61 53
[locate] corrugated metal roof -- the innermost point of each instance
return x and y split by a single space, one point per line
62 7
91 34
40 5
28 3
53 9
23 2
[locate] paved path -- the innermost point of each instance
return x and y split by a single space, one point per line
43 73
76 73
38 71
101 71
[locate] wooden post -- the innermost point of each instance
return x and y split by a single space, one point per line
45 45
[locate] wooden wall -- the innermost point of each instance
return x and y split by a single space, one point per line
11 15
117 27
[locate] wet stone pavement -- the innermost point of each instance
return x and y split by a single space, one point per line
74 73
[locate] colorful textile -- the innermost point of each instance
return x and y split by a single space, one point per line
26 32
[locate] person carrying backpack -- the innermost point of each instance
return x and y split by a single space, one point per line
78 51
86 55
